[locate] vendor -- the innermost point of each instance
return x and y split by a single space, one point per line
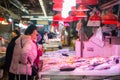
109 30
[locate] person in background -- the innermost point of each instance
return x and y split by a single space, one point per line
40 51
39 38
9 51
25 53
45 37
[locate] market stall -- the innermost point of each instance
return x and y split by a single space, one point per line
110 47
63 64
53 44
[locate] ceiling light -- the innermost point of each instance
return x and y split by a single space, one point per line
68 19
43 8
57 7
110 18
10 20
95 16
81 14
58 1
82 8
57 17
90 2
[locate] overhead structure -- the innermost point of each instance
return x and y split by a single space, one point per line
109 4
17 4
43 7
11 14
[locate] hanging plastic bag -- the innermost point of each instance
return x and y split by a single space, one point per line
97 38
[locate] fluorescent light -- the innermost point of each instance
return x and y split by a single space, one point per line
43 7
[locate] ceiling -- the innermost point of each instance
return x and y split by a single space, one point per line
18 8
27 7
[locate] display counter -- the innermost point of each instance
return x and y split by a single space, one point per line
94 48
72 75
53 43
94 68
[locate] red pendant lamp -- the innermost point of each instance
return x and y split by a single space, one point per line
73 13
1 19
118 25
78 1
57 6
73 8
94 20
110 18
95 17
82 8
87 2
81 14
57 17
76 18
68 19
55 24
58 1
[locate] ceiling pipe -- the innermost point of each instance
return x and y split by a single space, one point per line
109 4
43 7
17 4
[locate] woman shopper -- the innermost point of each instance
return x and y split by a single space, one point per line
25 53
9 51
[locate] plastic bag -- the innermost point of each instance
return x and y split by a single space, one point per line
97 38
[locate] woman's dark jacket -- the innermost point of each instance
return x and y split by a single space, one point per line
9 53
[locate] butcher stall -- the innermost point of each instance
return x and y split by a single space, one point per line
65 65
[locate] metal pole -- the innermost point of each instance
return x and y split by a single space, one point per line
81 42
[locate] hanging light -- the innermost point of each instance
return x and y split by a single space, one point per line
82 8
73 13
110 18
57 17
76 18
5 22
90 2
1 19
78 1
58 1
55 24
68 19
94 20
57 7
95 17
73 8
81 14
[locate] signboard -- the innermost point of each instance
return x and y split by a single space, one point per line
44 22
